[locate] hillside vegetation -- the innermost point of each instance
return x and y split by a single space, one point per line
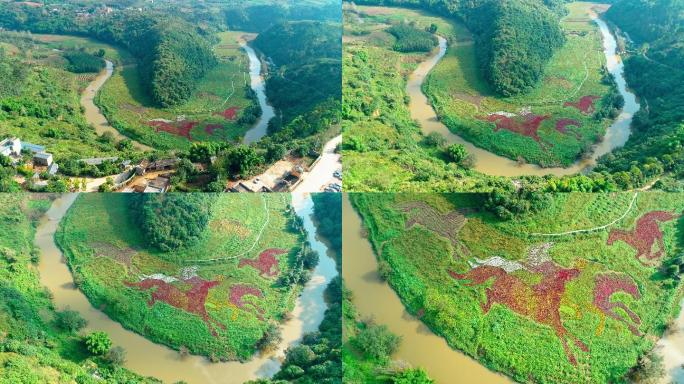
307 70
172 55
515 38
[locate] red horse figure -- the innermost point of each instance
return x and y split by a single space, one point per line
266 263
237 295
644 235
192 301
540 301
606 286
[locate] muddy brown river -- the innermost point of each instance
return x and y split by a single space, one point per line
492 164
375 298
260 129
149 359
93 114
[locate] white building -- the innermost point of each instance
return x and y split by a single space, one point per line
10 147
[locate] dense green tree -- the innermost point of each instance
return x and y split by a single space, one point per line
172 221
70 321
98 343
377 341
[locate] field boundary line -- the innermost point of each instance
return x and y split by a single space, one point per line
631 205
256 241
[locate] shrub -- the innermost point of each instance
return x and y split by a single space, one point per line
98 343
69 320
376 341
116 356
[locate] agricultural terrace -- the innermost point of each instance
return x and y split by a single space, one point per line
214 112
219 297
50 90
553 125
383 148
540 308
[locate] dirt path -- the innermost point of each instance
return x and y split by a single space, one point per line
629 208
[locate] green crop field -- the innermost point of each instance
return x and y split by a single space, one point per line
464 101
523 297
218 297
130 110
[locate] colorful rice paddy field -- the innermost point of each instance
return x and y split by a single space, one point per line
554 124
523 296
211 114
220 297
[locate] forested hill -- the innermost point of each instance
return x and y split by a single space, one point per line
515 38
308 68
648 21
172 53
259 17
296 42
653 69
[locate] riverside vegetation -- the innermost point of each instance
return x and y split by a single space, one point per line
524 294
39 344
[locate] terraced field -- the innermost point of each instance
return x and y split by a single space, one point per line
523 298
220 297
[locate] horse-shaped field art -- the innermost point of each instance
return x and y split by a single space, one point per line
237 295
447 224
192 300
645 235
266 263
606 285
541 301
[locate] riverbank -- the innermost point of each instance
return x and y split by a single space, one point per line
375 298
94 116
258 84
150 359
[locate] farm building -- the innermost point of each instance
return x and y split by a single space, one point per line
42 158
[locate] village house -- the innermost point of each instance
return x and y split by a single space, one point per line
14 148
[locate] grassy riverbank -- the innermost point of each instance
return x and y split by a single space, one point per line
383 148
512 299
33 346
540 126
221 297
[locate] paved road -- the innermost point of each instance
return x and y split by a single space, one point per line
322 173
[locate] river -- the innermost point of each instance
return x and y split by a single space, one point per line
149 359
93 114
492 164
260 129
373 297
671 347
